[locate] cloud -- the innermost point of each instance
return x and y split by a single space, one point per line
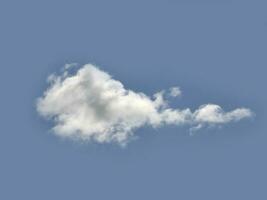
90 105
175 91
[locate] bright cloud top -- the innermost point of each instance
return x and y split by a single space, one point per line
91 105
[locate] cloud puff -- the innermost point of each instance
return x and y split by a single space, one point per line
91 105
175 91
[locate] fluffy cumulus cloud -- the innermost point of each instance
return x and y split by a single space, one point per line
91 105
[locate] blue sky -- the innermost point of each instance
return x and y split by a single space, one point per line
215 51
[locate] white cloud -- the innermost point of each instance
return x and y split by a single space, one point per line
91 105
175 91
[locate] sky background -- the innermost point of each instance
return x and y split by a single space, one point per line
214 50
